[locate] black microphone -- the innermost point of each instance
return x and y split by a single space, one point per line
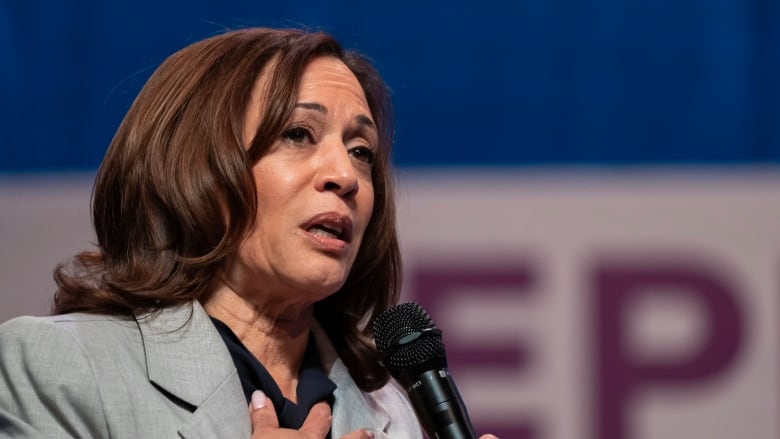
413 351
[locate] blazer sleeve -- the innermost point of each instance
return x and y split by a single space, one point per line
47 384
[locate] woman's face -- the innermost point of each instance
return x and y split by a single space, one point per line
314 190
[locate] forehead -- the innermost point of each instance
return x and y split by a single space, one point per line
325 80
329 75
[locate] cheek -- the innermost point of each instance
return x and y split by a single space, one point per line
367 206
272 192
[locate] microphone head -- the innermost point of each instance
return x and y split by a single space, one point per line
408 340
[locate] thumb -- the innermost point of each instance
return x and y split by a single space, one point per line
317 423
262 412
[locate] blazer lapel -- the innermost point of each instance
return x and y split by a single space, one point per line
353 408
187 359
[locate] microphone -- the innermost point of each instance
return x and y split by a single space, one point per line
412 349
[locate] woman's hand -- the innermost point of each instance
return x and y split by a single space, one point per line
316 426
265 424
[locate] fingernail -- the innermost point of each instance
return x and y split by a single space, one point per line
370 434
258 399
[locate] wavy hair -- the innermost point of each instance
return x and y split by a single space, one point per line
177 163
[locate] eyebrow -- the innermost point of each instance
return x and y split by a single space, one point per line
312 106
365 120
361 118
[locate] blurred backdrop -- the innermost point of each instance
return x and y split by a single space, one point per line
589 192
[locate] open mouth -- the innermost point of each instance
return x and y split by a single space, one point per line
325 231
330 226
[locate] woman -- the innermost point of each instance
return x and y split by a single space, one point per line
246 234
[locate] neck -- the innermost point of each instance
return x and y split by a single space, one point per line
276 334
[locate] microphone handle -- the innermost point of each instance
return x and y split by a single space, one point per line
439 406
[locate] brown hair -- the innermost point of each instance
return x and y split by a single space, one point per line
177 163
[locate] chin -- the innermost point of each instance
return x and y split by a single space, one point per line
323 287
320 277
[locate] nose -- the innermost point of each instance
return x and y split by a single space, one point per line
336 171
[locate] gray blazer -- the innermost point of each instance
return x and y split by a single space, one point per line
162 375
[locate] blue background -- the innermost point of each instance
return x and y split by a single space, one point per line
480 83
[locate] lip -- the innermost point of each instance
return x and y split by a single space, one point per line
331 220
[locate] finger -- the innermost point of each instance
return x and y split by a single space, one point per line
487 436
317 423
262 412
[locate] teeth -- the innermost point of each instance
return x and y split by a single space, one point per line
326 233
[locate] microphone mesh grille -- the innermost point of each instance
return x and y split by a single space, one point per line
400 321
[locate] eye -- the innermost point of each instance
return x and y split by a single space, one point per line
363 153
297 135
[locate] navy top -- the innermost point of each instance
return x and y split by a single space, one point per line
313 383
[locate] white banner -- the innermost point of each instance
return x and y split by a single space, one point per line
575 304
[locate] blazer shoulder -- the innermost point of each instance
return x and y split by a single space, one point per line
28 335
35 340
91 333
66 322
21 325
51 382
